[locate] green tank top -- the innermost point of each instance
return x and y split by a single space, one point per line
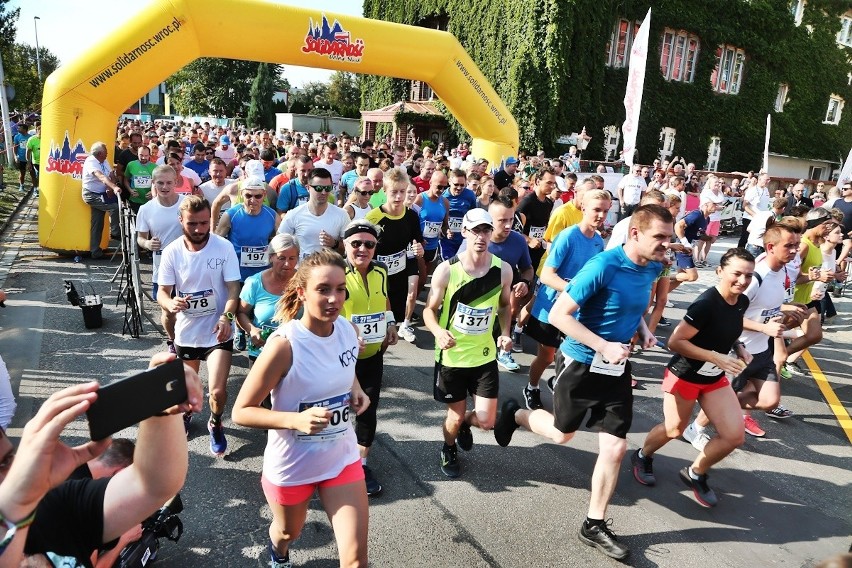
469 311
813 258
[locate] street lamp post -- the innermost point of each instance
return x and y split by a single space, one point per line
38 55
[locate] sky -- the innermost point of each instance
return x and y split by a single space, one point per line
69 33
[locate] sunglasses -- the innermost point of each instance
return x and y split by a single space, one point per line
369 245
323 188
257 196
358 191
481 230
526 187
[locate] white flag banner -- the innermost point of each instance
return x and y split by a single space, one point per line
633 93
765 167
846 172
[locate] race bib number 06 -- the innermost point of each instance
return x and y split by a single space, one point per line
338 423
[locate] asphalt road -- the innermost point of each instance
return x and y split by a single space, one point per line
785 499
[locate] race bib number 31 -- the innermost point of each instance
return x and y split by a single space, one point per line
472 321
200 304
338 423
371 327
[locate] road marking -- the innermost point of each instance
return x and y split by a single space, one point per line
828 393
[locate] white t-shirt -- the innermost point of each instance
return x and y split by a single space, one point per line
710 195
226 155
202 276
335 167
757 227
619 234
210 190
90 182
306 226
757 198
633 187
191 176
765 294
162 222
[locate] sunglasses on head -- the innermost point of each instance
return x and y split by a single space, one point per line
323 188
369 245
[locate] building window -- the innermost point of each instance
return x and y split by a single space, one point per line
835 109
781 98
816 172
678 56
797 8
420 92
612 137
728 74
713 153
620 43
667 142
844 37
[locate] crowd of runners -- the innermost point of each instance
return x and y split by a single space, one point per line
313 254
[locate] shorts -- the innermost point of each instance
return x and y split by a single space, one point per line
684 261
545 333
453 384
398 295
688 390
761 368
295 494
712 229
815 304
22 166
411 267
201 353
432 255
578 390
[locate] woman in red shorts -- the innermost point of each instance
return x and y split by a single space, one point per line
706 347
308 364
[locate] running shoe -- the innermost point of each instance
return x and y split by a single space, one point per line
669 304
517 346
465 437
602 538
170 345
698 438
407 333
240 340
506 425
752 427
703 494
795 368
276 562
218 442
664 323
785 372
21 187
643 469
373 486
532 398
450 461
779 412
505 360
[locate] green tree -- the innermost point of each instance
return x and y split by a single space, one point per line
344 94
312 98
22 73
260 113
216 87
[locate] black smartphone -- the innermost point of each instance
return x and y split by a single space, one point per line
128 401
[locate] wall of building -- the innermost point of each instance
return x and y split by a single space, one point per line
312 123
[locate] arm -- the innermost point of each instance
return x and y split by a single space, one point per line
106 181
226 194
550 278
244 320
504 341
562 317
144 240
171 305
440 279
223 326
223 226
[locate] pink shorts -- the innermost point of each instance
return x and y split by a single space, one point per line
713 228
295 494
690 391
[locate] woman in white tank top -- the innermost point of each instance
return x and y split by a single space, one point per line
308 366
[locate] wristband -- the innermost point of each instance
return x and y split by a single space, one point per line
12 528
389 317
685 242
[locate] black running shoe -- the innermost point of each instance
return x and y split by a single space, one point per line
643 469
373 486
450 461
532 398
506 424
602 538
703 494
465 437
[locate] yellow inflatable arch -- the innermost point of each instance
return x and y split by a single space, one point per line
83 99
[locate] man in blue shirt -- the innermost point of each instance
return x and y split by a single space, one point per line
690 229
462 199
599 312
198 164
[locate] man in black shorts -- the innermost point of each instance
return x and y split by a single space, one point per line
613 289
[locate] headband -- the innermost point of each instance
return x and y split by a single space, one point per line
360 228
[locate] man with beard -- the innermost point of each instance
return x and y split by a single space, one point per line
203 271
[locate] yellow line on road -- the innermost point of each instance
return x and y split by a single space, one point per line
830 397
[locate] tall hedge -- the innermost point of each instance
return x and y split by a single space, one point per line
547 61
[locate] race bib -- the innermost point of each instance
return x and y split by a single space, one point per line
454 224
431 229
708 369
537 232
302 199
394 262
472 321
141 182
789 293
371 327
202 303
254 257
766 315
604 367
337 424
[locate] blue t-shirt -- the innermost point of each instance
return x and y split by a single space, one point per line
264 304
513 251
431 216
459 205
270 173
696 225
291 195
21 140
250 236
570 251
612 292
202 169
348 179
